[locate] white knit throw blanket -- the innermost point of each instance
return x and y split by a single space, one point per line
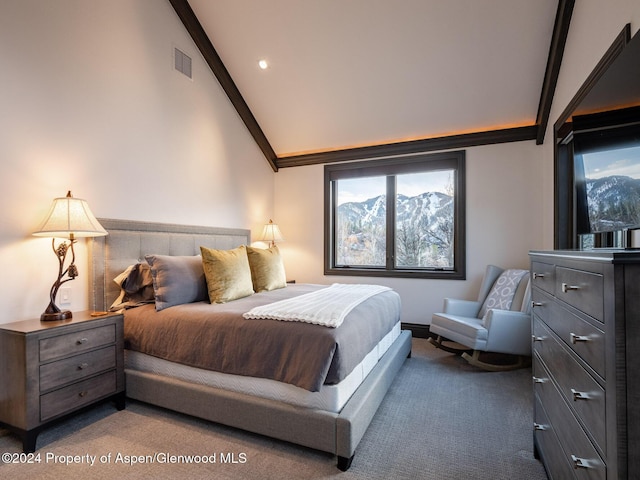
328 306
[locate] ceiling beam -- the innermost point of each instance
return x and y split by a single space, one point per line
202 41
449 142
554 61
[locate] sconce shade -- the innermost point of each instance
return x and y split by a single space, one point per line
271 233
70 217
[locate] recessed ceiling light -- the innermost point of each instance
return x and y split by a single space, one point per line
263 64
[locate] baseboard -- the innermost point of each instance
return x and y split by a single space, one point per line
417 330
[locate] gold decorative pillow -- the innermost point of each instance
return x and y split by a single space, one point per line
267 269
227 273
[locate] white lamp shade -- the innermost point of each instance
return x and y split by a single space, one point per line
271 233
69 217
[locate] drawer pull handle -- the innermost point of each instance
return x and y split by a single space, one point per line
81 341
539 380
580 462
82 366
578 338
82 394
537 339
536 304
567 288
538 275
538 426
579 395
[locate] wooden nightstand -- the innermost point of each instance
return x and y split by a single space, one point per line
51 369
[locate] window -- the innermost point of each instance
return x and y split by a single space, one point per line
398 217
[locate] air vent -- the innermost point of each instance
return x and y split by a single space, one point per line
182 62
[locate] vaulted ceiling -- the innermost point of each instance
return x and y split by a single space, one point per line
355 78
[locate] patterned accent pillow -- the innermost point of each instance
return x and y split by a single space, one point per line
504 289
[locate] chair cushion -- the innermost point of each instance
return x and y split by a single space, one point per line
503 291
468 331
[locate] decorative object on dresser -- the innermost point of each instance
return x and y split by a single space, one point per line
586 368
51 369
498 322
68 218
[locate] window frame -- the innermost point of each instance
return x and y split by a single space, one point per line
454 160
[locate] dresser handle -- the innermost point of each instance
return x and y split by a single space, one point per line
539 380
538 275
578 338
82 366
82 394
538 426
567 288
537 339
81 341
536 304
579 395
580 462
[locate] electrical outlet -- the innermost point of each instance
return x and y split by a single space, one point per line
65 296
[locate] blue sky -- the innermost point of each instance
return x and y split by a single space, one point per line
360 189
621 161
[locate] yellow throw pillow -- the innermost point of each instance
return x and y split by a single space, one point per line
267 269
227 273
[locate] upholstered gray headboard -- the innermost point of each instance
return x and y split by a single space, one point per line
129 241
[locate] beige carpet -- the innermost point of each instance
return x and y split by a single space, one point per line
442 419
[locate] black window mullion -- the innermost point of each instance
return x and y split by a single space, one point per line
391 222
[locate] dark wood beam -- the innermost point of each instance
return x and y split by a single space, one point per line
202 41
414 146
554 61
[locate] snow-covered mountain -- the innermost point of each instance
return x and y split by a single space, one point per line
424 232
614 202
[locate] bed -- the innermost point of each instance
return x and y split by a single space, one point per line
328 411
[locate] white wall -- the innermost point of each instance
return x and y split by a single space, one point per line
503 223
91 103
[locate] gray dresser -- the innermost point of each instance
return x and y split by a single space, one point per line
586 363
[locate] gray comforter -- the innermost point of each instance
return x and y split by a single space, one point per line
217 337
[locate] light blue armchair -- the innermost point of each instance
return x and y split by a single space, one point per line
498 322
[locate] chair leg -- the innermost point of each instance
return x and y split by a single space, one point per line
438 343
474 359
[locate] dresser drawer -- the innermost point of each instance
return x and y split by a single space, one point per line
586 340
543 276
582 392
75 368
579 453
77 342
76 395
582 290
549 445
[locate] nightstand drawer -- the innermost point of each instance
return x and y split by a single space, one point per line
59 373
76 342
74 396
582 290
581 391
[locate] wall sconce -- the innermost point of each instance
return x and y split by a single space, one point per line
68 218
271 233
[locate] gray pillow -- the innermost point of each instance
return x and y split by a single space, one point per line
177 280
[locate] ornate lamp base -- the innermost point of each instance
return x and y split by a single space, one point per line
57 316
